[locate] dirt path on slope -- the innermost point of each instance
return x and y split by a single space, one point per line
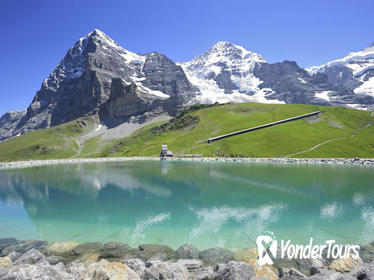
316 146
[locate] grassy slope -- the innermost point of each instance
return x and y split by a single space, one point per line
275 141
355 138
56 142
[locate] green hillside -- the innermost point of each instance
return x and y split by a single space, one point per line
338 132
52 143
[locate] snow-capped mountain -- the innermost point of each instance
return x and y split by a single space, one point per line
98 77
225 74
355 72
230 73
82 84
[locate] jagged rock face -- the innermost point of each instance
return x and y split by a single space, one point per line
164 75
97 76
8 122
355 73
291 83
230 73
82 84
342 76
126 101
124 98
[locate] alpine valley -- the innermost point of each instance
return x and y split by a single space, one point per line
99 79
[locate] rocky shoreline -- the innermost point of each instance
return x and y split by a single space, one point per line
332 161
36 259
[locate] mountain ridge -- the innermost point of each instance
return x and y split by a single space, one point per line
82 83
99 77
281 82
355 71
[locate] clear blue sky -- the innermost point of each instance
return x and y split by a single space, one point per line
35 35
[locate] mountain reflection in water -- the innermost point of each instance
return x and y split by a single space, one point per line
206 204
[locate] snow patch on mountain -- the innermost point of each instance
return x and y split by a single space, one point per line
323 95
366 88
361 65
155 93
108 43
234 65
359 62
357 107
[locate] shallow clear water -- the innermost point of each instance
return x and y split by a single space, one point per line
206 204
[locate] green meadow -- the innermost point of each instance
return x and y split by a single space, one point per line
337 132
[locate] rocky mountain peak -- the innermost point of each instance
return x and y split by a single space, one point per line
220 46
224 73
224 55
224 52
354 72
90 44
76 60
99 33
100 39
97 76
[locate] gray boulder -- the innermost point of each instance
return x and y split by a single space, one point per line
6 242
137 265
292 277
367 253
155 252
366 271
292 274
167 270
41 270
63 249
240 270
330 275
55 259
117 250
14 256
187 251
307 267
87 248
23 246
197 270
75 269
32 256
104 270
234 271
216 255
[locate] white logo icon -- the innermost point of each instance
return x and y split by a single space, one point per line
267 249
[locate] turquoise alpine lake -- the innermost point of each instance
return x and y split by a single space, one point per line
207 204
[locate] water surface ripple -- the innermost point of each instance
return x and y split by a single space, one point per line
206 204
